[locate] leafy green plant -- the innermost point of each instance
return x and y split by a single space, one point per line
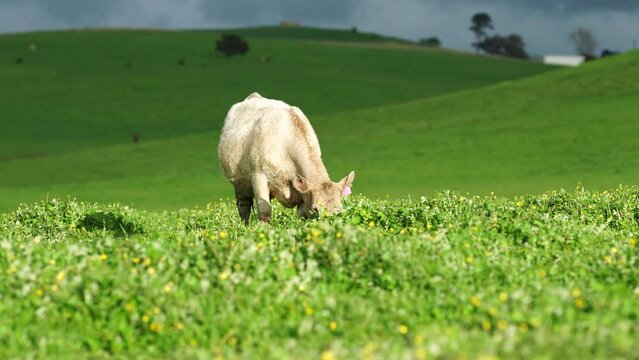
442 276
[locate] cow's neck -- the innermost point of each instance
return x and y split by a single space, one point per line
313 170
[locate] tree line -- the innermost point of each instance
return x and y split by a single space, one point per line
513 45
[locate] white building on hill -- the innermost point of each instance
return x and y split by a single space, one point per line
565 60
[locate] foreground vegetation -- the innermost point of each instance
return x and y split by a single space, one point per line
553 275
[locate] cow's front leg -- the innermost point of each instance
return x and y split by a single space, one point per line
262 196
244 201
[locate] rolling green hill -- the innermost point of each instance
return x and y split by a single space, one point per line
526 136
404 120
70 108
84 89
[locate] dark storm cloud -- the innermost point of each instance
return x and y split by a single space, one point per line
544 24
324 11
567 6
85 12
561 7
79 12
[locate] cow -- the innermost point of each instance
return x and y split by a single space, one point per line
268 149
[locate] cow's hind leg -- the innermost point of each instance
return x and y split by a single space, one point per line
262 197
244 201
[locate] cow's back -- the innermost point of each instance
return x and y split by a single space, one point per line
259 134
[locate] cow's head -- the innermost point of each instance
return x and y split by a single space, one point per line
322 197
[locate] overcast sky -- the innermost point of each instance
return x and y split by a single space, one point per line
544 24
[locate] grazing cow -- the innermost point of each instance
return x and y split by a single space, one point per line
268 149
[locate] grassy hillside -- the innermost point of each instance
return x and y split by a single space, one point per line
525 136
70 108
306 33
448 276
90 88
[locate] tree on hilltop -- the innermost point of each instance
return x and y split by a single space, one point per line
585 43
432 41
481 22
231 44
512 45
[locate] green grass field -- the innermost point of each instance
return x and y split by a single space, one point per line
448 276
70 110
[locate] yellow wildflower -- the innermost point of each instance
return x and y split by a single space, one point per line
60 276
103 257
633 242
223 276
503 297
145 319
403 329
502 324
580 303
370 348
575 293
128 307
54 287
332 325
614 250
223 234
155 327
420 354
146 262
475 301
179 325
371 223
151 271
315 233
488 357
338 235
168 288
469 260
492 311
156 310
608 259
486 325
328 355
308 310
39 292
136 260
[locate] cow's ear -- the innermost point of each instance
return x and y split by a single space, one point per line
346 183
300 184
